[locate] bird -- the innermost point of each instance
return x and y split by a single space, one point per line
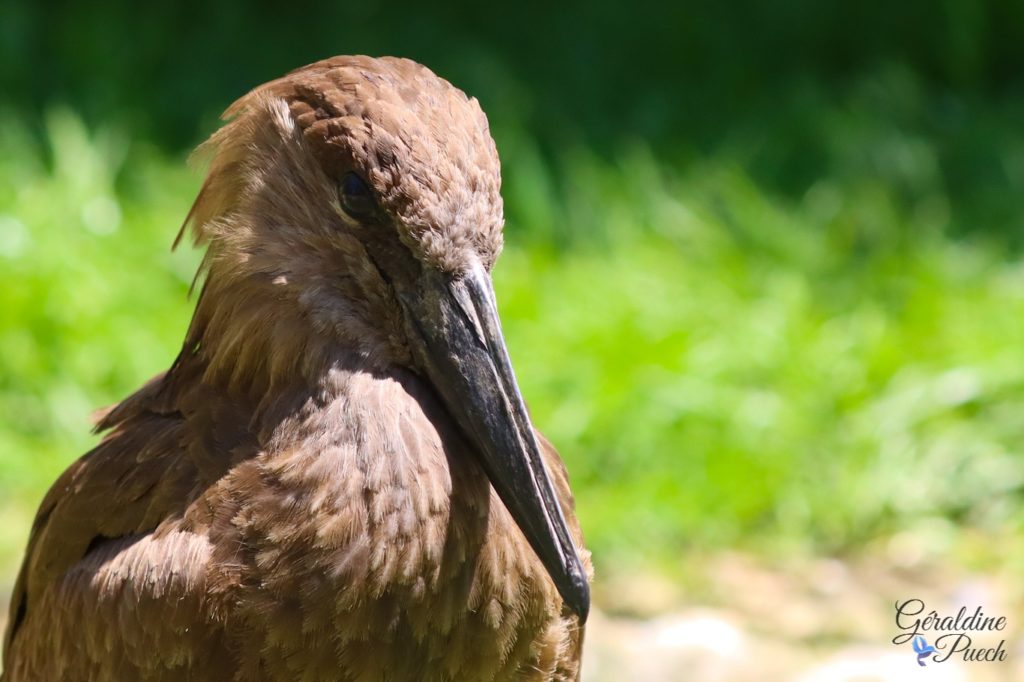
337 478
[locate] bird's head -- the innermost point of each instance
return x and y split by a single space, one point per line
356 202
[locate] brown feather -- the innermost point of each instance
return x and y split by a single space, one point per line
290 501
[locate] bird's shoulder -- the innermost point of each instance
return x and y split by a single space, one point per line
560 479
143 473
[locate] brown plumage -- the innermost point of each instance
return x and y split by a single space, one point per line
336 479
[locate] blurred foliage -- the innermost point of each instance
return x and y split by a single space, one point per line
763 282
767 81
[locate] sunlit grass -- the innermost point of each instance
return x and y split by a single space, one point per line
719 366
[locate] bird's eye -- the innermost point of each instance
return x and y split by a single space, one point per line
357 197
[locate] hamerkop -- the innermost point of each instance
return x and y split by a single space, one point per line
337 478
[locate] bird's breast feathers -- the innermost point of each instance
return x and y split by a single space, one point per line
360 533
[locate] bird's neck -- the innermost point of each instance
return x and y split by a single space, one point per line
252 342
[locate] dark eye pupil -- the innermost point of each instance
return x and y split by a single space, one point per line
356 197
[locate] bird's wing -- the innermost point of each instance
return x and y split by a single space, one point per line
123 500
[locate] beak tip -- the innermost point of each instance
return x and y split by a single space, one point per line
576 594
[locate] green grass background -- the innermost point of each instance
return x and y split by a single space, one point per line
790 322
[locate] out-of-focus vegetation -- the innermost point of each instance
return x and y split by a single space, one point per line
762 287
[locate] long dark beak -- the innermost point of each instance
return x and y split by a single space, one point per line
459 344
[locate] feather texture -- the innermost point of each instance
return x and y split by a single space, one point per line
291 500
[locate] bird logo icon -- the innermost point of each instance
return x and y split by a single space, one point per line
923 649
